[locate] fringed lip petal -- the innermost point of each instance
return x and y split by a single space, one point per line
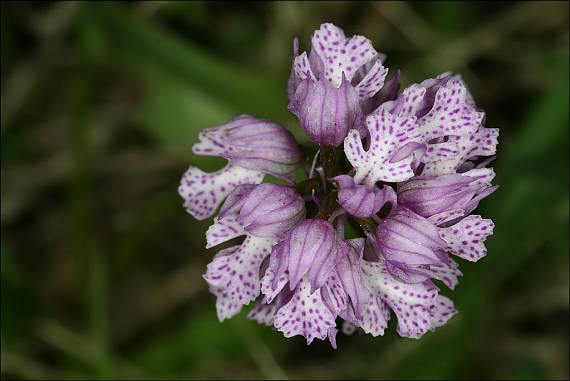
388 134
204 192
305 314
233 275
466 238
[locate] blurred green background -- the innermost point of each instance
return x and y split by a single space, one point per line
101 266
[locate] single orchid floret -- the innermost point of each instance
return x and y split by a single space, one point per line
393 140
411 170
449 121
327 113
361 201
264 210
446 197
418 306
252 143
409 238
304 262
254 147
328 89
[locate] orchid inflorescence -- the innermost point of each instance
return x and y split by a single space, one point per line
400 172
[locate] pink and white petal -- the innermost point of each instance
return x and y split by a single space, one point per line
213 141
389 134
443 217
305 314
372 82
450 114
340 54
484 176
390 289
413 320
484 142
233 276
448 273
466 238
375 316
263 313
444 158
223 230
409 302
302 67
333 294
203 192
411 101
442 310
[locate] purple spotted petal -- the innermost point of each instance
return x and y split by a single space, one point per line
441 311
305 314
372 82
252 143
447 157
361 201
409 238
233 275
375 316
204 192
466 238
447 272
441 106
333 294
450 114
389 134
265 313
223 230
341 55
410 302
389 92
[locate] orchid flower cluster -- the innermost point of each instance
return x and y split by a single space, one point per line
381 211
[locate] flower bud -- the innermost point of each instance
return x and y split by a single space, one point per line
361 201
312 249
269 210
252 143
431 195
409 238
325 112
264 210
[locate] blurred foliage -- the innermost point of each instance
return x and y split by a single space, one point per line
101 266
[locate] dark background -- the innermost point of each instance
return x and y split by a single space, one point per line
101 265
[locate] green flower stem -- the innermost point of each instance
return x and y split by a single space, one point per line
329 205
307 186
329 162
366 223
